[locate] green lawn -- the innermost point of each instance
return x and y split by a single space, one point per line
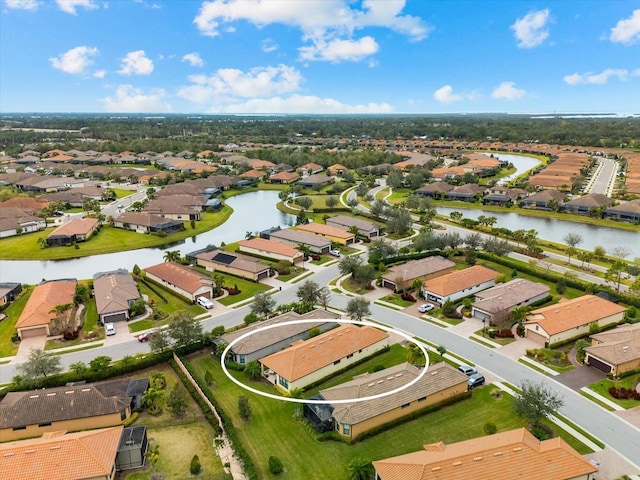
396 299
108 240
273 430
174 304
122 192
602 387
8 325
247 288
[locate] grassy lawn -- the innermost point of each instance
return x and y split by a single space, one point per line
502 341
108 240
304 457
123 192
602 387
247 288
555 359
354 287
174 302
395 299
8 325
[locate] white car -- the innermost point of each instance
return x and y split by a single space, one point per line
425 307
110 328
335 253
204 302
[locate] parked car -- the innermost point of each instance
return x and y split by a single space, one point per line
204 302
475 380
335 253
120 205
425 307
110 328
468 370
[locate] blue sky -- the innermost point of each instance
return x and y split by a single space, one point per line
320 56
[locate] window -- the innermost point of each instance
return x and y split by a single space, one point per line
45 424
406 405
537 328
283 382
19 428
346 429
350 355
336 362
242 359
422 399
123 414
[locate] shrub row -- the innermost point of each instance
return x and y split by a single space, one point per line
150 286
227 423
622 393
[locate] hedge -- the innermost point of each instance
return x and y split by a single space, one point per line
150 286
375 260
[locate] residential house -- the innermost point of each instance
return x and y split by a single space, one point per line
627 212
441 382
509 455
71 408
183 280
284 177
244 266
335 234
316 180
15 220
308 361
500 195
132 448
316 243
336 169
75 230
569 319
615 351
403 275
168 208
544 200
469 192
115 292
253 175
311 169
587 204
9 291
64 456
39 318
494 305
434 190
271 249
459 284
255 347
365 228
143 222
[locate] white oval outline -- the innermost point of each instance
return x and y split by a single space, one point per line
324 402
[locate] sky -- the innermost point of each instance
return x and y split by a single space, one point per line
320 56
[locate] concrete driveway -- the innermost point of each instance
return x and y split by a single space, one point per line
579 377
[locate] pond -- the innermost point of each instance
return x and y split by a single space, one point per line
522 163
254 211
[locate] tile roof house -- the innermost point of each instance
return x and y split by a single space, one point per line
144 222
628 211
459 284
615 351
587 203
316 243
571 318
510 455
15 220
365 228
466 193
38 318
183 280
308 361
336 169
62 456
71 408
315 180
244 266
75 230
271 249
334 234
544 200
494 305
311 168
435 190
115 292
403 275
167 207
440 382
254 347
284 177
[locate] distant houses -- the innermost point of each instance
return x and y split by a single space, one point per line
402 276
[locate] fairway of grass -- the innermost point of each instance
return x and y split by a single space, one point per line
8 325
273 430
108 240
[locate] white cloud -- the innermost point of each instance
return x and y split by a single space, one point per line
99 73
232 83
337 50
530 30
22 4
597 78
268 45
299 104
508 91
75 61
136 63
627 31
445 95
71 6
128 99
322 22
194 59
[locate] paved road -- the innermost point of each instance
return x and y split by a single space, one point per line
604 177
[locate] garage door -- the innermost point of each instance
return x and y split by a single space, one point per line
262 275
34 332
387 284
118 317
481 315
536 337
598 364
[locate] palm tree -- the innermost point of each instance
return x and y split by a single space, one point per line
249 235
361 469
152 400
171 256
455 216
355 230
153 454
414 354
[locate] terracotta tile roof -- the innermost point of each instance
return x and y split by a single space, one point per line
322 229
34 204
510 455
285 176
258 164
305 357
44 298
418 268
508 295
568 314
75 226
617 346
60 456
252 174
181 276
460 280
439 376
63 403
270 246
114 291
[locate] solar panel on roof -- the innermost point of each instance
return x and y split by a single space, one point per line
224 258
